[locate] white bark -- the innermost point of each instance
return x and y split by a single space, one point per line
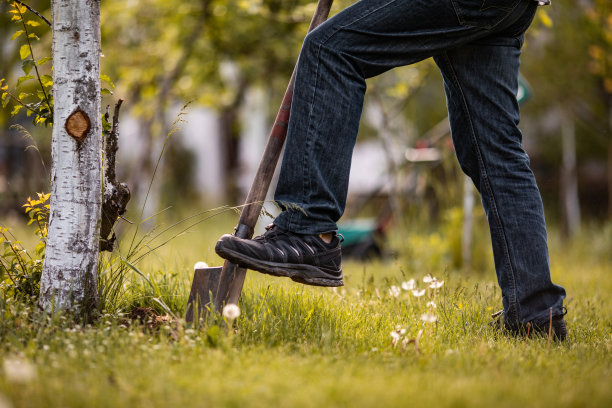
71 261
569 177
468 222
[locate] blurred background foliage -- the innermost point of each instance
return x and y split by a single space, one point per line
212 53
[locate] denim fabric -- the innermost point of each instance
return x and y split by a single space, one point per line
476 44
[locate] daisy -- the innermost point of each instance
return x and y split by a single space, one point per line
418 293
429 317
410 285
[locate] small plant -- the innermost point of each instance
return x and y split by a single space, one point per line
20 271
400 335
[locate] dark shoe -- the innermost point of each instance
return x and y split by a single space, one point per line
303 258
556 326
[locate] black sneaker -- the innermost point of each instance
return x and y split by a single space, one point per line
556 325
303 258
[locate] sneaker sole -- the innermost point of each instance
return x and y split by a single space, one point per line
301 273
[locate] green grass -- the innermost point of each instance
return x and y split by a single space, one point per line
300 346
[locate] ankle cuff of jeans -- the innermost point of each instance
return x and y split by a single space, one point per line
544 317
297 224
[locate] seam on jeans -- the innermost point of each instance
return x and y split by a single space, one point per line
482 6
524 27
462 21
364 16
342 27
510 12
487 186
309 128
309 137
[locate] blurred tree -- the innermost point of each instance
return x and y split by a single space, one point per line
599 17
567 101
22 170
209 52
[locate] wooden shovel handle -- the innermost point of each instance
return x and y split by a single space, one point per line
232 276
276 140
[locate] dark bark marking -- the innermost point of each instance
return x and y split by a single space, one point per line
115 203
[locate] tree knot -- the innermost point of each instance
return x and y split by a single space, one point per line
78 125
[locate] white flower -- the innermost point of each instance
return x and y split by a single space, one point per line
431 304
200 265
231 311
394 291
428 278
436 284
418 293
429 317
18 370
396 335
410 285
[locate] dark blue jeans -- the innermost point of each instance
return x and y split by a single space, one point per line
477 45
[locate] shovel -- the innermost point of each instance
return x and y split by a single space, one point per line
217 286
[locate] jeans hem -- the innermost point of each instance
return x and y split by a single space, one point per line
294 222
544 317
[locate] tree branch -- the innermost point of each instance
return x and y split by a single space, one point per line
42 87
33 11
116 195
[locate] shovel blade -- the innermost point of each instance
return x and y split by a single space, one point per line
203 292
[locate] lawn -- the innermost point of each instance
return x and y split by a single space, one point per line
370 343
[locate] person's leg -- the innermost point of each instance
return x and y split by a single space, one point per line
368 38
364 40
481 81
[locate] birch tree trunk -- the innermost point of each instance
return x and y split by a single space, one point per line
468 222
569 177
71 261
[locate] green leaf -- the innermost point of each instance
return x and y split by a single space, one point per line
43 61
24 78
106 91
16 109
32 23
17 34
47 80
24 51
107 79
27 65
